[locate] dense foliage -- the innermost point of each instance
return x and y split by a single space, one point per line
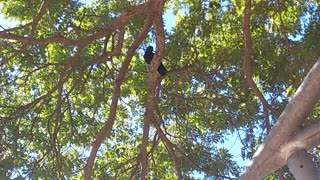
72 77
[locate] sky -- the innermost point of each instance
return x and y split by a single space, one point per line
232 143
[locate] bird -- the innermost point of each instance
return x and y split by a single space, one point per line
148 55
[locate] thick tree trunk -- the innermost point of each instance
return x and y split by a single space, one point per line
302 166
290 121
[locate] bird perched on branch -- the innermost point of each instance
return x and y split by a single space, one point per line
148 55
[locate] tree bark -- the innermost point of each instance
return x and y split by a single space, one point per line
302 166
291 119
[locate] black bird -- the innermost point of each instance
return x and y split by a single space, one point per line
148 55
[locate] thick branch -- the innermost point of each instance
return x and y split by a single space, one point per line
248 61
117 24
295 113
156 10
39 16
306 138
114 102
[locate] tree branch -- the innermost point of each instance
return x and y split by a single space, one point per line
293 116
22 109
169 148
248 61
104 132
117 24
156 11
39 16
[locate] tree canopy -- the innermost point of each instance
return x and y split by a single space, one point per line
78 101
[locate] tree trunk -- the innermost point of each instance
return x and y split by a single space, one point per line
289 122
302 166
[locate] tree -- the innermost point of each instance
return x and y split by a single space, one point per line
78 101
288 140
